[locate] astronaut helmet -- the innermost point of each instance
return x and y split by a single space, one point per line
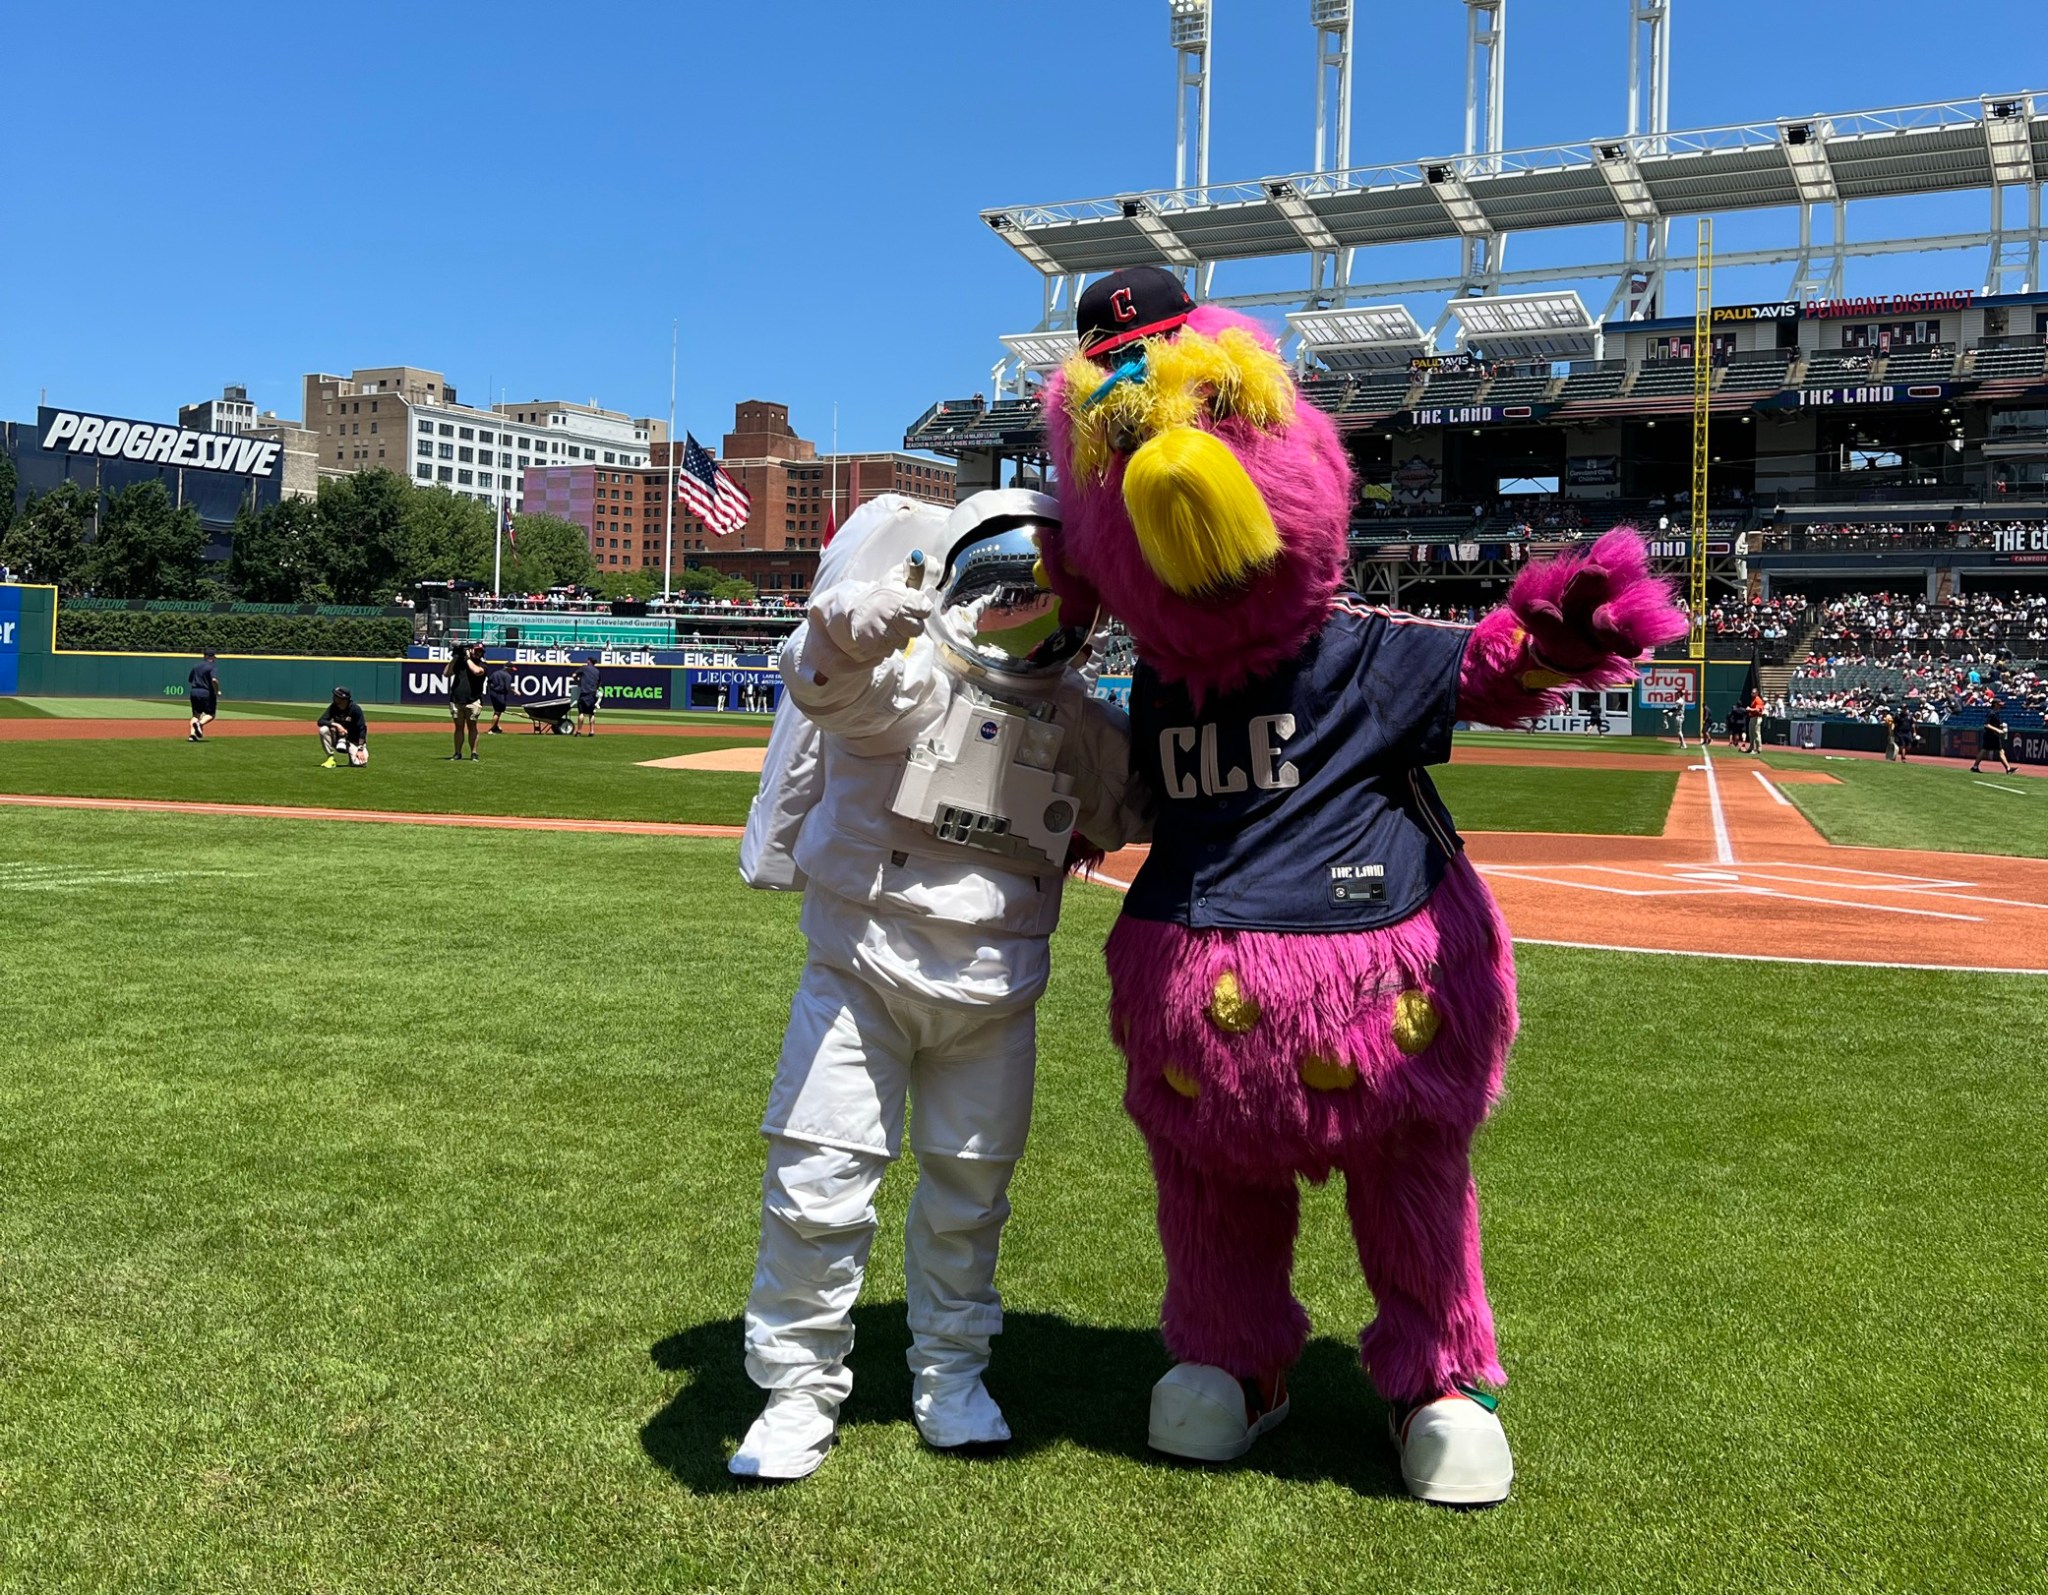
993 610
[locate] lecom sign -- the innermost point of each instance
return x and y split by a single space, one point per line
1665 689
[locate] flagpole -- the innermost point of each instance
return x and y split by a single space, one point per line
835 462
668 540
498 552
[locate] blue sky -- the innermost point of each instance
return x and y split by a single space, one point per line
524 196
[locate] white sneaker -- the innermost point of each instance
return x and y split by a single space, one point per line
1454 1451
790 1438
956 1412
1202 1413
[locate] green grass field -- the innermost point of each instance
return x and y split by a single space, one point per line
603 778
379 1206
1933 808
234 709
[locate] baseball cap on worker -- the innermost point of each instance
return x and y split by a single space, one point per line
1138 302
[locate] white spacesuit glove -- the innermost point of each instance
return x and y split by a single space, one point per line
851 629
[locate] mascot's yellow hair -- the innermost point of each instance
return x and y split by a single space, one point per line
1187 378
1201 522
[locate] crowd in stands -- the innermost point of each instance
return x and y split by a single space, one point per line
1880 536
1750 620
1878 653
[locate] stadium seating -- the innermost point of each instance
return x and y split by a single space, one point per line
1836 368
1876 651
1454 387
1594 379
1757 371
2003 363
1520 388
1661 379
1936 363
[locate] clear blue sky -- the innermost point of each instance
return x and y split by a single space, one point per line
524 196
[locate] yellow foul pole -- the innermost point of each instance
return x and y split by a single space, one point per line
1702 390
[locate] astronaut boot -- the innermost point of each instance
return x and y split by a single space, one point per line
790 1438
1453 1449
1204 1414
955 1413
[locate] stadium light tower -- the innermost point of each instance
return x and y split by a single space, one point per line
1188 32
1486 80
2009 142
1332 21
1646 240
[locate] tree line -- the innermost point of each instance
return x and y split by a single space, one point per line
364 539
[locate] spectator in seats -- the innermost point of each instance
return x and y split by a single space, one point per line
344 734
1993 740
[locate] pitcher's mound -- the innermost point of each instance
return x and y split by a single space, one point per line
747 760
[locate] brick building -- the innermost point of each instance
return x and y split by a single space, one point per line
795 492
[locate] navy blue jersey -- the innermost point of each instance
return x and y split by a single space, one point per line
1299 802
201 682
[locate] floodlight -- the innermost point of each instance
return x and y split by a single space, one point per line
1188 24
1448 184
1289 203
1139 212
1806 153
2009 136
1624 179
1022 242
1329 13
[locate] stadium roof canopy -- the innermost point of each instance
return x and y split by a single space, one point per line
1888 154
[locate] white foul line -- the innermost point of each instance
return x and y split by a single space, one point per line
1724 851
2016 791
1771 788
1776 958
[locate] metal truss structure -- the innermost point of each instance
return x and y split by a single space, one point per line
1640 181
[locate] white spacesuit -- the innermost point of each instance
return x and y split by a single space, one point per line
930 825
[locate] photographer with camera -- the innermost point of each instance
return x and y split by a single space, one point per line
465 678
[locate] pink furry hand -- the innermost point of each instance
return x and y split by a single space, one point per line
1590 617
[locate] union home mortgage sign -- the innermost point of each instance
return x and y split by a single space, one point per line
112 438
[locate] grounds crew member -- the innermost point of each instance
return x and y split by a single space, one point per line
202 696
498 693
920 789
588 696
343 731
1993 741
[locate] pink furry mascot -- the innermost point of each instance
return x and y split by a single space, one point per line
1308 976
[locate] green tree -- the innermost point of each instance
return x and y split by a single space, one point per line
147 547
548 553
630 584
8 484
277 556
363 538
448 537
49 540
735 588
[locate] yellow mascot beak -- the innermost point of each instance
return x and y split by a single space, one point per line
1201 523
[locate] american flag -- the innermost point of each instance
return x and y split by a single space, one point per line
708 492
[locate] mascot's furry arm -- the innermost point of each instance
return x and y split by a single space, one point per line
1584 619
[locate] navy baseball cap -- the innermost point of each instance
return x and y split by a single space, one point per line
1138 302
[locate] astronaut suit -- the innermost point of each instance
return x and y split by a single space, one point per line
934 752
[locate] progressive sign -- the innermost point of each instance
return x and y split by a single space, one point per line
113 438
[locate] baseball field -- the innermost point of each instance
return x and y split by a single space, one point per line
378 1192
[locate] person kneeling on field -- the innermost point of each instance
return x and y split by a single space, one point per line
344 734
931 761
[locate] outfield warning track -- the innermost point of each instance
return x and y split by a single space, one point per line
1738 872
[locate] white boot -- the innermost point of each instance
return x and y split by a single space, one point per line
790 1438
1454 1452
956 1412
1202 1413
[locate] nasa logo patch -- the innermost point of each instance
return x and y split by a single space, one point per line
988 730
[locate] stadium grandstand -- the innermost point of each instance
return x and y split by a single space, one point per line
1891 443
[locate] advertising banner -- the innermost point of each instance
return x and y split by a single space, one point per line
1666 686
10 640
1731 315
1592 470
114 438
620 686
